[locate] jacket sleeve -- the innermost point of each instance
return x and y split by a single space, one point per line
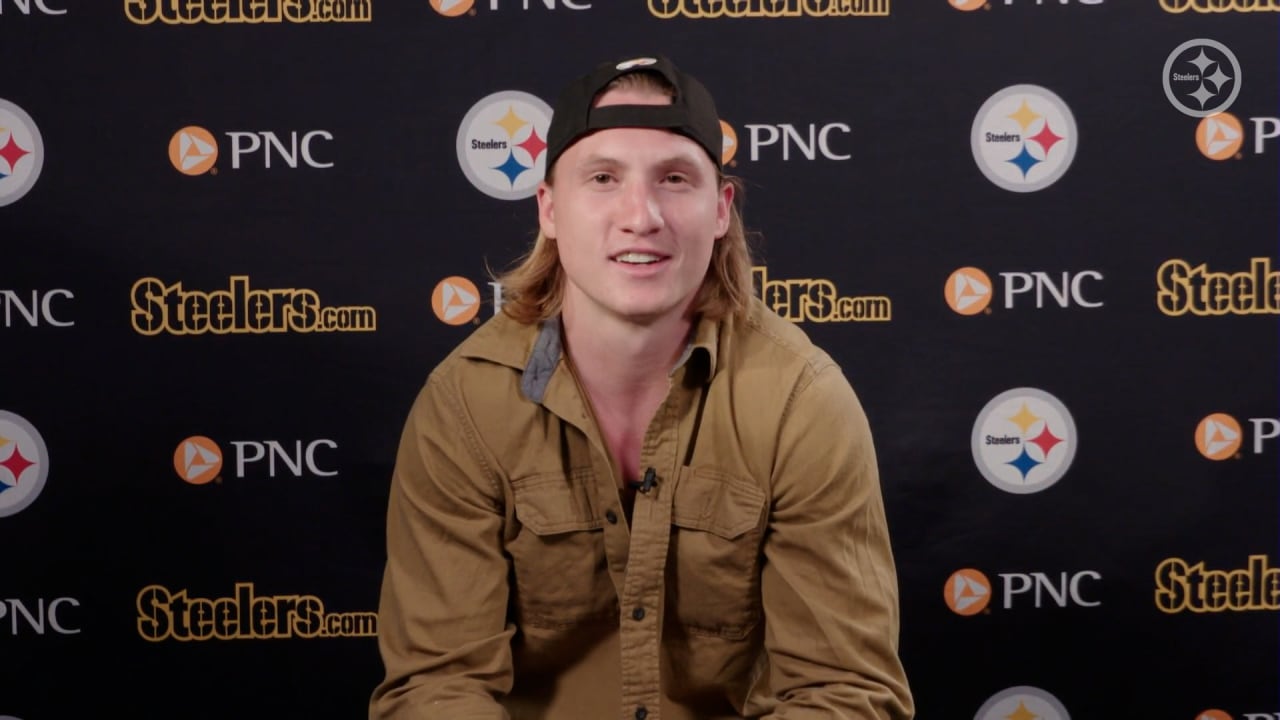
828 581
442 630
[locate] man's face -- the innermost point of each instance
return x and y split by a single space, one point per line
635 213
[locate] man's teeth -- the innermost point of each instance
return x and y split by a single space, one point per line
637 257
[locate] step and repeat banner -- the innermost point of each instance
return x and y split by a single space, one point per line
1042 238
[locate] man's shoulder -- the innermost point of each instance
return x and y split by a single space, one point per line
762 337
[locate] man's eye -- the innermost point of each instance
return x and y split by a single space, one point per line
676 178
601 178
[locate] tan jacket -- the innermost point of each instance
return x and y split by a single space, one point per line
754 579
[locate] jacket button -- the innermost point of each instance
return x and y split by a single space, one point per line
611 516
638 614
641 713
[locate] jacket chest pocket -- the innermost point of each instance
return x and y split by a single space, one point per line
713 567
558 558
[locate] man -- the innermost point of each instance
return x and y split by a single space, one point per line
637 492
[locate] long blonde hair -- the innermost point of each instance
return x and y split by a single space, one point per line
533 287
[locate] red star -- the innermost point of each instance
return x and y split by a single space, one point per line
1045 440
16 464
533 145
1046 138
11 153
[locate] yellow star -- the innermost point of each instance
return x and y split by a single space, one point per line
1024 418
511 122
1022 713
1025 115
3 440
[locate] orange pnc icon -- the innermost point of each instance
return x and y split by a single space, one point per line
967 5
968 291
967 592
1219 136
198 460
1213 715
456 300
1218 436
452 8
192 150
729 145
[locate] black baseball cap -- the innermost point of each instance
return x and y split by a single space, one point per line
692 112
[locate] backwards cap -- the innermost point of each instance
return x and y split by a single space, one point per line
692 112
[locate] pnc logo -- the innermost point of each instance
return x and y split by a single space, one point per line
968 5
40 617
455 300
193 150
1201 77
501 143
809 141
729 143
24 463
1023 702
1219 136
198 460
967 592
39 310
1219 436
454 8
1024 138
968 291
21 153
1024 440
24 7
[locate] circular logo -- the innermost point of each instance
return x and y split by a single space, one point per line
1024 138
1023 701
198 460
456 300
1213 715
637 62
193 150
968 5
1219 136
452 8
1219 436
1201 77
728 143
21 152
501 142
24 464
1024 440
968 291
967 592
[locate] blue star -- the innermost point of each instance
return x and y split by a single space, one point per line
1024 463
3 175
1024 161
511 168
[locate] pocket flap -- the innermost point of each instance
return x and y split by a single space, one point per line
550 504
718 503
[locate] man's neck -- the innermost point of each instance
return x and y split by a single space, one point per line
620 361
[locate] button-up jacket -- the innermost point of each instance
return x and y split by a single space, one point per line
754 577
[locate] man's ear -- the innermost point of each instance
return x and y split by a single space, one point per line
546 210
724 204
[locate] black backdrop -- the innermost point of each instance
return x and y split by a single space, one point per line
1058 584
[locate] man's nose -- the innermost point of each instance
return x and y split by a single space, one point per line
641 211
